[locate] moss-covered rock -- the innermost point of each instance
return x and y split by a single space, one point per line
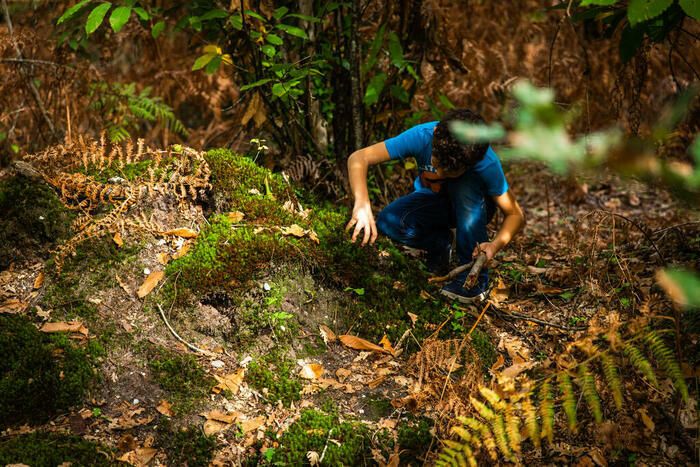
53 449
40 374
33 218
311 433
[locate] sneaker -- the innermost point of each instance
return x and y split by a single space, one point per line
438 262
478 293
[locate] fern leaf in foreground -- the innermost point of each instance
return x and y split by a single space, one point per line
640 363
486 436
533 430
513 428
568 399
587 382
612 378
668 362
498 425
547 411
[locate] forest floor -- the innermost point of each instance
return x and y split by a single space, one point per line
270 382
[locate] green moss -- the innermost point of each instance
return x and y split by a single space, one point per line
414 438
53 449
484 347
377 407
311 433
275 375
40 374
33 218
181 376
190 447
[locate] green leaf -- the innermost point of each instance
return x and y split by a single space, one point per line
257 83
143 14
96 16
70 12
292 30
373 51
274 39
202 61
359 291
214 14
280 12
213 65
119 18
396 51
255 15
682 286
236 22
400 93
691 8
374 89
268 50
279 89
157 29
639 11
446 102
310 19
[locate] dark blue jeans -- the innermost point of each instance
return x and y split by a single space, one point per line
423 219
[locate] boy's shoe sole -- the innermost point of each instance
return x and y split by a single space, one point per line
465 300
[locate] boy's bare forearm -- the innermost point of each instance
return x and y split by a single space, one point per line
357 173
512 224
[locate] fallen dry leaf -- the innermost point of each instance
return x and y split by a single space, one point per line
211 427
358 343
182 251
313 458
414 318
311 371
139 457
220 416
327 335
386 344
646 419
235 216
165 408
253 424
39 281
149 284
230 382
545 289
123 284
183 232
163 258
376 382
12 305
118 240
342 374
294 229
314 238
61 326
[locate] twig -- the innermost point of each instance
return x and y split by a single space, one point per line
476 267
190 346
25 75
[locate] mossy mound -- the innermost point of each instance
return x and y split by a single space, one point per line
40 374
230 253
52 449
33 218
181 376
188 447
311 432
275 380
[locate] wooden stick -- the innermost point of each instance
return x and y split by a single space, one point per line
476 267
177 336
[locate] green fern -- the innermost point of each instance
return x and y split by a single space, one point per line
668 362
533 429
640 363
547 411
587 383
498 427
612 378
513 429
568 399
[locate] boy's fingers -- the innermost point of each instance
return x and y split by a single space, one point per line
374 233
365 238
352 222
356 232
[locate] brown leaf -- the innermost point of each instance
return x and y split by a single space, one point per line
39 281
60 326
386 344
314 238
230 382
250 425
499 363
311 371
235 216
165 408
646 419
12 305
212 427
342 374
414 318
182 251
183 232
294 230
255 110
149 284
327 335
545 289
118 239
139 457
376 382
163 258
123 285
358 343
222 417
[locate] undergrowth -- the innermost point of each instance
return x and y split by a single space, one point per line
52 449
189 446
273 377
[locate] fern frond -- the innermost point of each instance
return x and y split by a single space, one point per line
482 409
612 378
587 382
533 430
485 434
498 426
668 362
640 363
547 411
492 398
568 399
467 436
464 448
513 428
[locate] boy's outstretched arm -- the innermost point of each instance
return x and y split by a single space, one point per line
362 217
513 222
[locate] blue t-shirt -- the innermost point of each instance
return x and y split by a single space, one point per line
418 142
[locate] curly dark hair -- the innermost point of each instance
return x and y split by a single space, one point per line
451 155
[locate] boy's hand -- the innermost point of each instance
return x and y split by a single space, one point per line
363 219
487 247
